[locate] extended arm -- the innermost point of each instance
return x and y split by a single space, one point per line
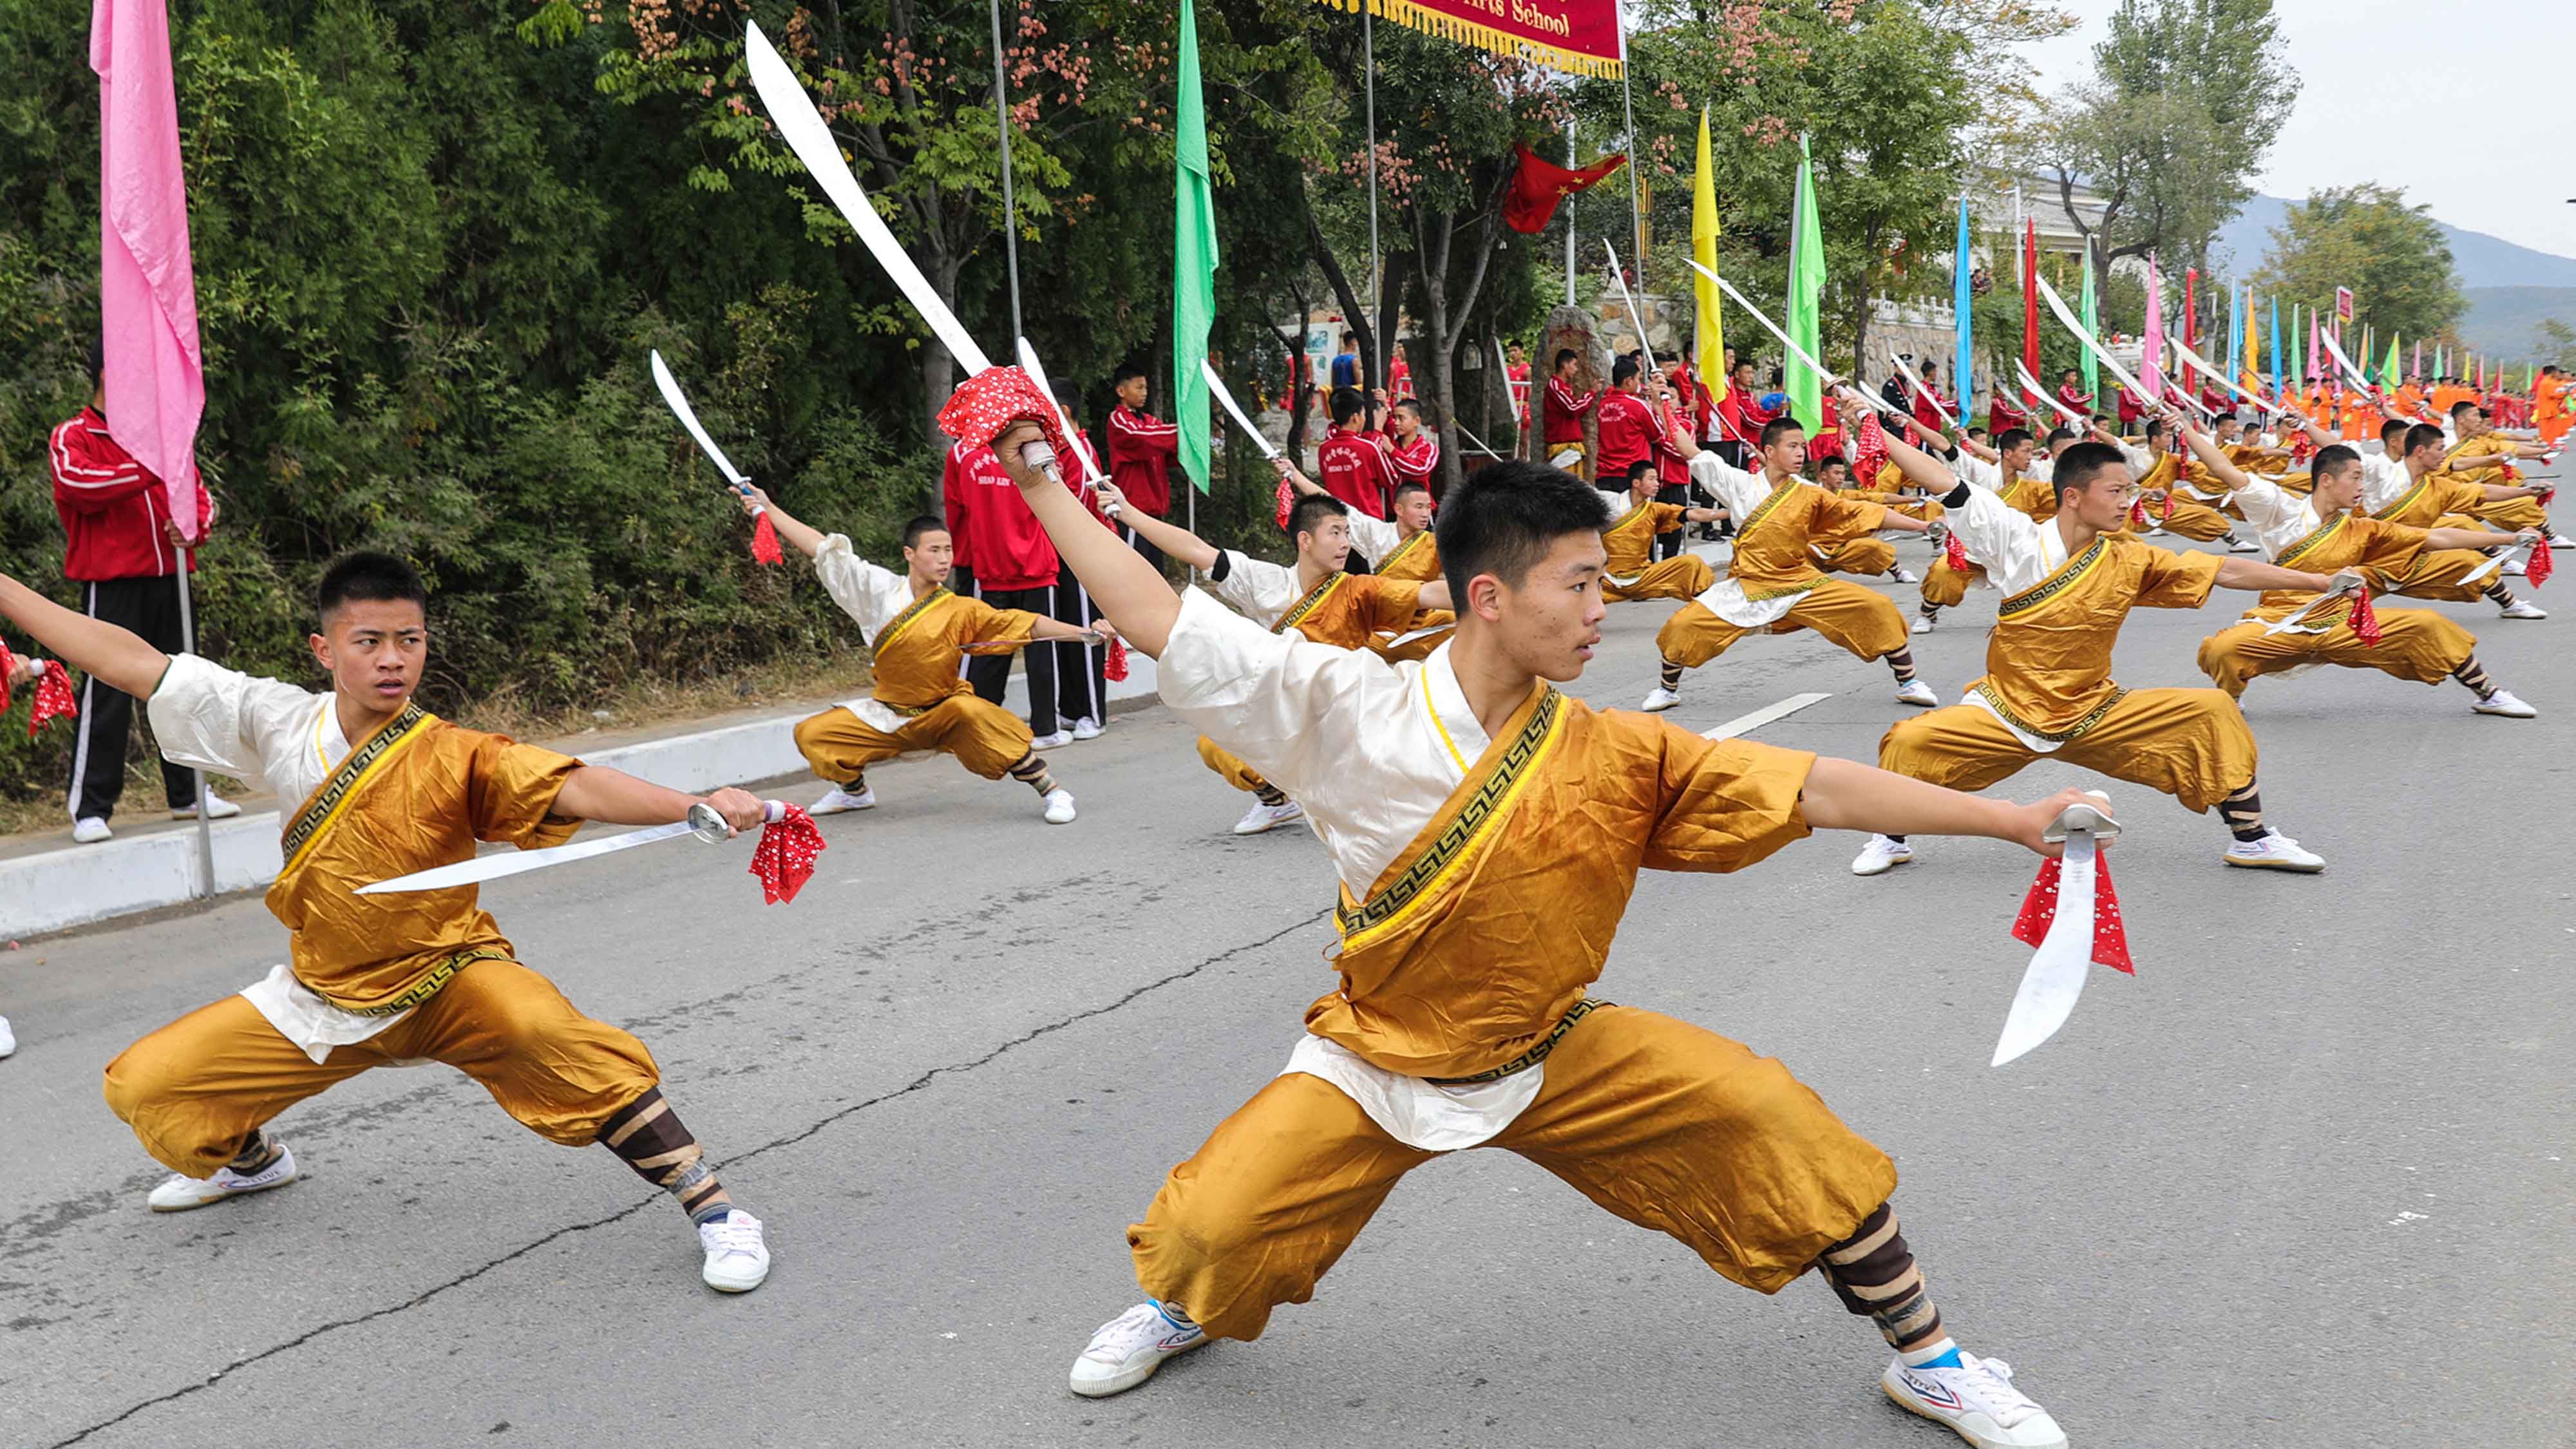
2213 458
2245 573
1171 538
1129 590
2479 538
1846 795
596 792
117 658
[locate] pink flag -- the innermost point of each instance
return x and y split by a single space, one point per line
156 375
2314 351
2150 370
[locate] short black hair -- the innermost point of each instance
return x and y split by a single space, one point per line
1118 375
2393 432
1067 396
1773 430
2333 458
2011 438
1412 485
919 524
1312 509
2054 434
1349 336
2420 434
2079 465
1564 355
1406 405
2155 429
1623 369
2464 405
1504 518
1976 430
368 576
1643 467
1347 403
1832 460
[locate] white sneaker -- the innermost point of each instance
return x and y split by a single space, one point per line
1904 575
1087 728
1881 855
1056 741
2501 702
2560 540
179 1194
8 1043
2515 568
737 1258
2274 851
2242 545
1976 1400
217 808
2518 609
1915 691
1127 1350
1661 699
1059 807
90 830
837 799
1268 817
1922 624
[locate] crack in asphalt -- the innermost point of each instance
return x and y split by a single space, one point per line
790 1140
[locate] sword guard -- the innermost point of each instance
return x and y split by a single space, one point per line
707 825
2093 820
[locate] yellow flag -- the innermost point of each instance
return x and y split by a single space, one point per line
1712 328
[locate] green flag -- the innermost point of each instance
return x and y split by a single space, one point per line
2388 370
1193 261
2092 327
1806 284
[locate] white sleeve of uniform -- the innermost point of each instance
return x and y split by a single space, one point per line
2266 506
2141 461
1255 587
1993 532
212 718
1376 537
862 589
2043 469
1980 472
1739 491
1287 705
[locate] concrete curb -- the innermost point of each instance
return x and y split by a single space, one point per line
82 884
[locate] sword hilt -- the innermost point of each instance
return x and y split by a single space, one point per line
2091 819
712 827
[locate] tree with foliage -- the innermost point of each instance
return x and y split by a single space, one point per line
2185 98
2366 237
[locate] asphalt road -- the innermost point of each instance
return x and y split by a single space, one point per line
2304 1181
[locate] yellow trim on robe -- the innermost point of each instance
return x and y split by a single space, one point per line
1314 600
894 627
329 800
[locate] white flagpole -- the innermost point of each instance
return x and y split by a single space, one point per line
1010 209
205 822
1636 202
1377 283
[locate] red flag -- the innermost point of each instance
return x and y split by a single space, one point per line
2030 304
2190 332
1538 185
2110 933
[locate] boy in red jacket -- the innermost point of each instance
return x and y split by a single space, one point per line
122 547
1010 564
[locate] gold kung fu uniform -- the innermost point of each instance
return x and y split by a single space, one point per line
2511 514
919 701
1347 611
1888 491
2437 500
1481 883
2182 514
1772 583
1414 560
2048 691
372 981
2415 644
1632 573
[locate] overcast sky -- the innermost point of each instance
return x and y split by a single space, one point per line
2367 63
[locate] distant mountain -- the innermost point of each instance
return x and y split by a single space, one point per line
2483 260
2501 319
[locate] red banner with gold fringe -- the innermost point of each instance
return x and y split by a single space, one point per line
1581 36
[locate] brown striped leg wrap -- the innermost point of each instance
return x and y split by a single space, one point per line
1672 675
1902 661
1270 795
1873 1273
2497 594
658 1145
2243 812
1032 772
258 1151
2474 675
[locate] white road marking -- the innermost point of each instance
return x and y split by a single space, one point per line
1744 723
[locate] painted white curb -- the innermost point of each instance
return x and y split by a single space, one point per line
80 884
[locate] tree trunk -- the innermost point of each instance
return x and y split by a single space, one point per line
1354 316
938 373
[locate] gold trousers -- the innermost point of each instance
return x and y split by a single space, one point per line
2415 644
985 738
1231 770
1855 618
195 1090
1668 1126
1683 576
2192 744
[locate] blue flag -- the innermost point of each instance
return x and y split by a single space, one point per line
1962 296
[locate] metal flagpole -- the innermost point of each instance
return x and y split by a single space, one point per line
1636 202
1377 283
1010 209
205 821
1569 213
